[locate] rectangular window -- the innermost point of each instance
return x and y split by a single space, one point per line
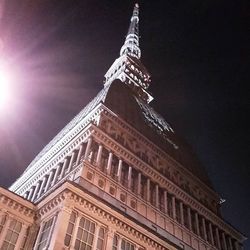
152 193
170 205
124 174
114 167
100 240
178 210
214 235
2 222
143 187
222 241
84 146
12 235
134 181
126 245
209 239
193 221
185 216
85 234
25 239
161 200
201 229
115 242
104 159
44 235
70 228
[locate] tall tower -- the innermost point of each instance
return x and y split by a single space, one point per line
116 177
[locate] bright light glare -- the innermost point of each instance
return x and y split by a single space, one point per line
5 82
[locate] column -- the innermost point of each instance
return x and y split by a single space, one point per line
165 201
181 211
5 228
218 238
97 228
119 170
39 234
26 194
189 218
119 242
71 161
99 155
36 190
32 236
197 224
21 237
79 154
88 148
60 229
236 246
42 186
74 233
129 176
224 241
65 163
230 243
139 184
157 196
31 193
109 163
148 190
204 228
110 237
49 180
173 207
59 166
211 233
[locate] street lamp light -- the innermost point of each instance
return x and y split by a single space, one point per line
5 85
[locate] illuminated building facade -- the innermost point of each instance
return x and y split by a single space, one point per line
116 177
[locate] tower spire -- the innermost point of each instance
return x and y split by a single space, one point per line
128 67
131 44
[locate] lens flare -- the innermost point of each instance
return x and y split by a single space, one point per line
5 83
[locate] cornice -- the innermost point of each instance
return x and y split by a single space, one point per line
12 202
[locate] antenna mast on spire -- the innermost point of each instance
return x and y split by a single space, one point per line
131 44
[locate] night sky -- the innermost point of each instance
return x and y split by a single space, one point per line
196 51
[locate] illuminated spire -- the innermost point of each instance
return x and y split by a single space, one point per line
131 44
128 67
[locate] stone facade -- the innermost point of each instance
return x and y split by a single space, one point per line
115 178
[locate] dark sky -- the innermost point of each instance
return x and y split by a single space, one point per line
196 51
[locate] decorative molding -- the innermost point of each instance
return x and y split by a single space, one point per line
12 202
68 193
135 161
145 143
